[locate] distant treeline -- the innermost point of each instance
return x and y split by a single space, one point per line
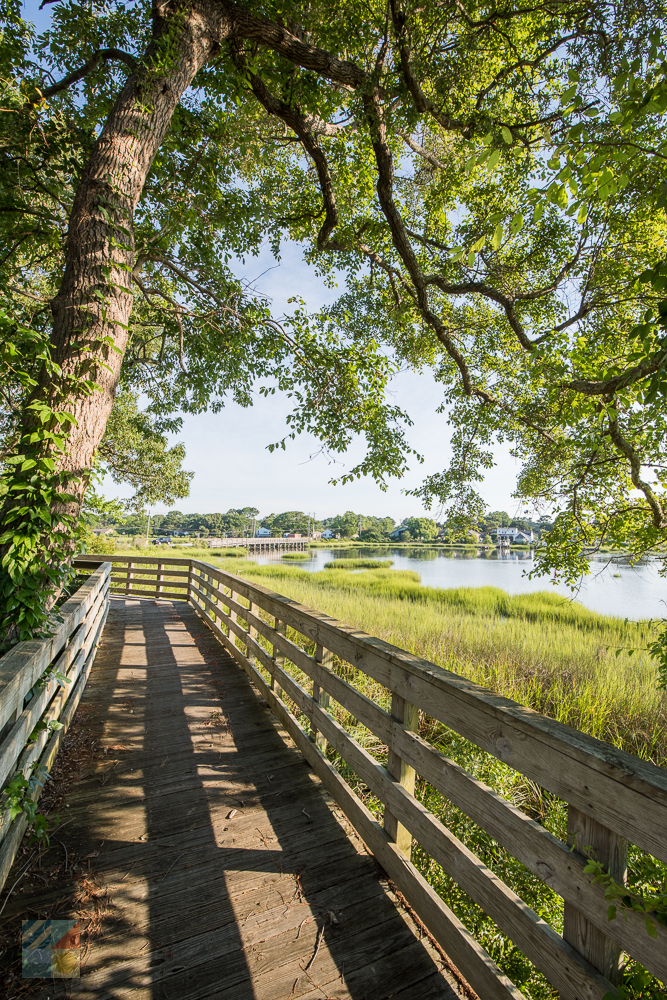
245 521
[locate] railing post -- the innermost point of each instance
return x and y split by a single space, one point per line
252 632
130 575
278 657
325 658
160 580
591 839
214 595
234 618
408 715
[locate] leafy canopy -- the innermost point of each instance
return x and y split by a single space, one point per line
489 179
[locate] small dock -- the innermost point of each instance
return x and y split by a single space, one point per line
222 867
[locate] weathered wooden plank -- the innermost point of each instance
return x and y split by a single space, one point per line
12 841
323 657
21 666
589 838
147 573
68 663
136 592
91 559
407 717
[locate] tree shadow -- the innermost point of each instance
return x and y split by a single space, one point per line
220 868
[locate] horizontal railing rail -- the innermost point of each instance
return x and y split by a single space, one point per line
613 797
41 683
145 576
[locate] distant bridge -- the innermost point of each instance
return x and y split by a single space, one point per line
260 544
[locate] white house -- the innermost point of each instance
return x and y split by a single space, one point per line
263 533
514 535
328 533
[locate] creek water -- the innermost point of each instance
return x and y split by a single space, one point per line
614 587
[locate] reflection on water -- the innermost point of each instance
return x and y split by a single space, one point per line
614 587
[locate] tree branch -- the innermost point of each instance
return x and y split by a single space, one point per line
612 385
300 124
101 55
626 449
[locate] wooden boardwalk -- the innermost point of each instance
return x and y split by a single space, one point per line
224 868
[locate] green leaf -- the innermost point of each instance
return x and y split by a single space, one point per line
493 159
507 135
471 258
498 236
516 225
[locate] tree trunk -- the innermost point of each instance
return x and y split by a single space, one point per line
91 314
92 309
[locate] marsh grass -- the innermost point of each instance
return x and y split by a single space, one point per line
540 649
359 564
296 556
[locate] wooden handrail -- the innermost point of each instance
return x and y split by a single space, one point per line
42 681
613 796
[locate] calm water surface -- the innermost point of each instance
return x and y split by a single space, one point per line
613 587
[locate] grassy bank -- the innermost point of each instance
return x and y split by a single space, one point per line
540 649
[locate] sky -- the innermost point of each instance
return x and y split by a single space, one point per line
227 451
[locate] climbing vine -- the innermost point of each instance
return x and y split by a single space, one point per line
38 531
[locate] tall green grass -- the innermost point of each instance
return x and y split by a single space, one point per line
359 564
541 649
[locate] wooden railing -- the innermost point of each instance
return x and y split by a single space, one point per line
613 797
41 682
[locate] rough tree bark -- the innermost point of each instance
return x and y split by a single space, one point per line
94 302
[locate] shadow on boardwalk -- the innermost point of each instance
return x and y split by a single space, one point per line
223 868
